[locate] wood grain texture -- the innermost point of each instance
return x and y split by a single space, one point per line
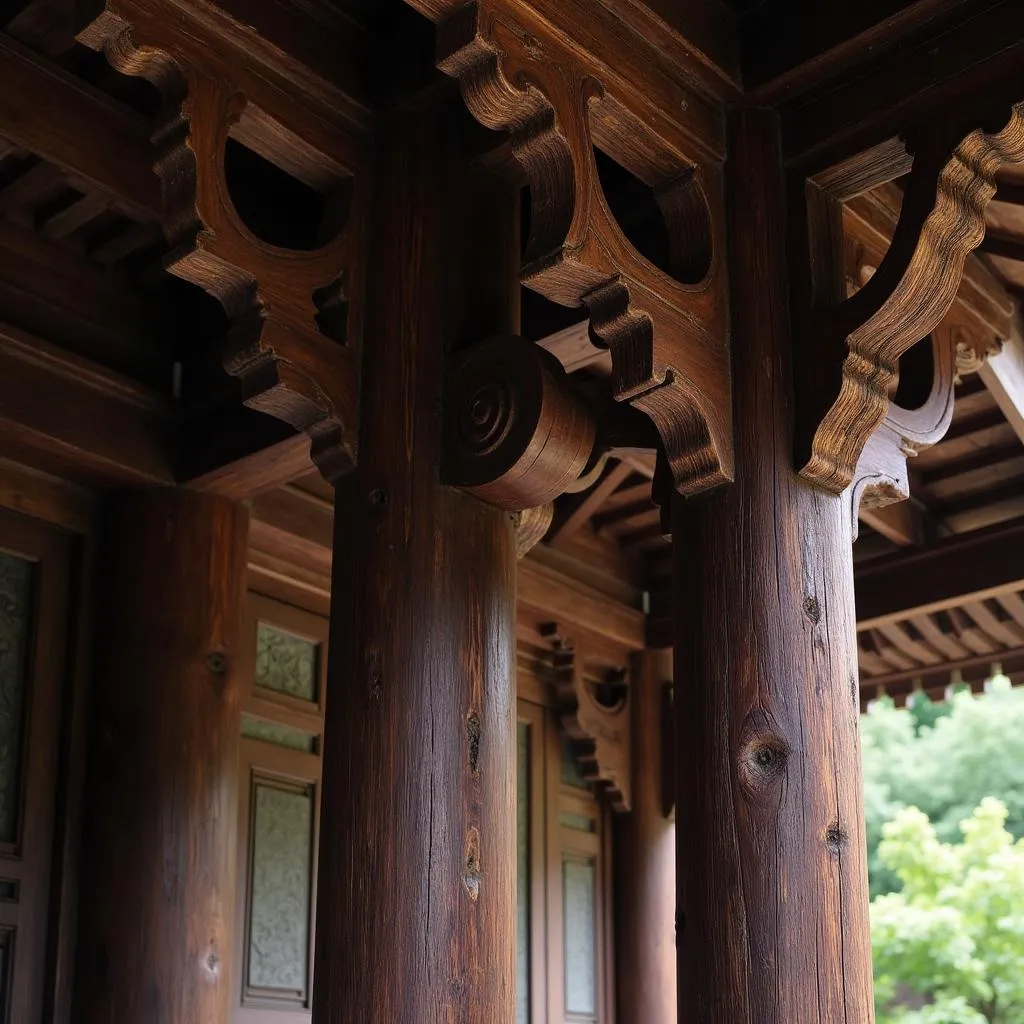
850 348
644 865
159 855
666 332
275 297
416 904
772 919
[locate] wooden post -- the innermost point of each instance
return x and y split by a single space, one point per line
416 906
773 905
159 851
645 869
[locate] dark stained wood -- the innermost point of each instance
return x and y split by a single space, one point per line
258 471
417 852
773 901
941 575
161 820
644 866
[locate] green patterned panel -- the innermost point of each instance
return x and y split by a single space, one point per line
523 876
15 637
580 938
282 839
276 732
286 663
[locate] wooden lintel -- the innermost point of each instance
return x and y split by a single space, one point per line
99 142
68 416
945 574
259 471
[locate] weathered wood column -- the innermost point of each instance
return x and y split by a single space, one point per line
159 853
645 868
773 906
416 908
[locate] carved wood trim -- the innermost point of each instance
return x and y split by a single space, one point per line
667 334
882 476
274 297
851 347
599 731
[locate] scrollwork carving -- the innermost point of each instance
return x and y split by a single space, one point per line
596 716
667 337
276 299
851 351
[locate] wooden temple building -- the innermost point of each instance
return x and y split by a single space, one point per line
464 467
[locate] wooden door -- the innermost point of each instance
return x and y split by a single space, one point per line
279 811
34 565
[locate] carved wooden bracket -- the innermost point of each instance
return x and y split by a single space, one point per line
294 335
881 477
851 347
666 333
596 717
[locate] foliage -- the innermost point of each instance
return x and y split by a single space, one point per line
974 749
949 946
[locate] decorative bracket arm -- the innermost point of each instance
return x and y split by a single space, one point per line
851 347
666 329
597 718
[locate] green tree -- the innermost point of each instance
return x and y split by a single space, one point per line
949 946
945 769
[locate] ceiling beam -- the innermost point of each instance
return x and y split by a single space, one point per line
1007 247
96 140
971 566
902 522
1003 374
258 471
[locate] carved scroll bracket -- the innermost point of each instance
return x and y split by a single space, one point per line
882 476
666 331
293 336
595 713
851 347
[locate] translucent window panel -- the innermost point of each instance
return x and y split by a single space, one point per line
15 638
580 937
282 839
286 663
523 876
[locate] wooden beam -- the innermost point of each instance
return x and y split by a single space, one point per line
972 566
70 417
900 522
574 349
260 471
574 510
1003 375
78 128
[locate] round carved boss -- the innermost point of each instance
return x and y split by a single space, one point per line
516 434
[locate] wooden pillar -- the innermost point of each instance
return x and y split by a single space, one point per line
773 900
159 850
416 906
645 869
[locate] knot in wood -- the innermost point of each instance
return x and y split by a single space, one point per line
472 878
836 838
763 760
473 737
217 662
812 609
516 433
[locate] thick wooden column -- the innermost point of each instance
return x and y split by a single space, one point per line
416 909
645 867
159 851
773 904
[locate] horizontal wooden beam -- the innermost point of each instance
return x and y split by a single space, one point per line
900 522
971 566
72 418
1003 375
68 123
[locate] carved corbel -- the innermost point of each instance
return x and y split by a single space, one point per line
973 350
666 332
595 714
288 342
881 476
850 348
